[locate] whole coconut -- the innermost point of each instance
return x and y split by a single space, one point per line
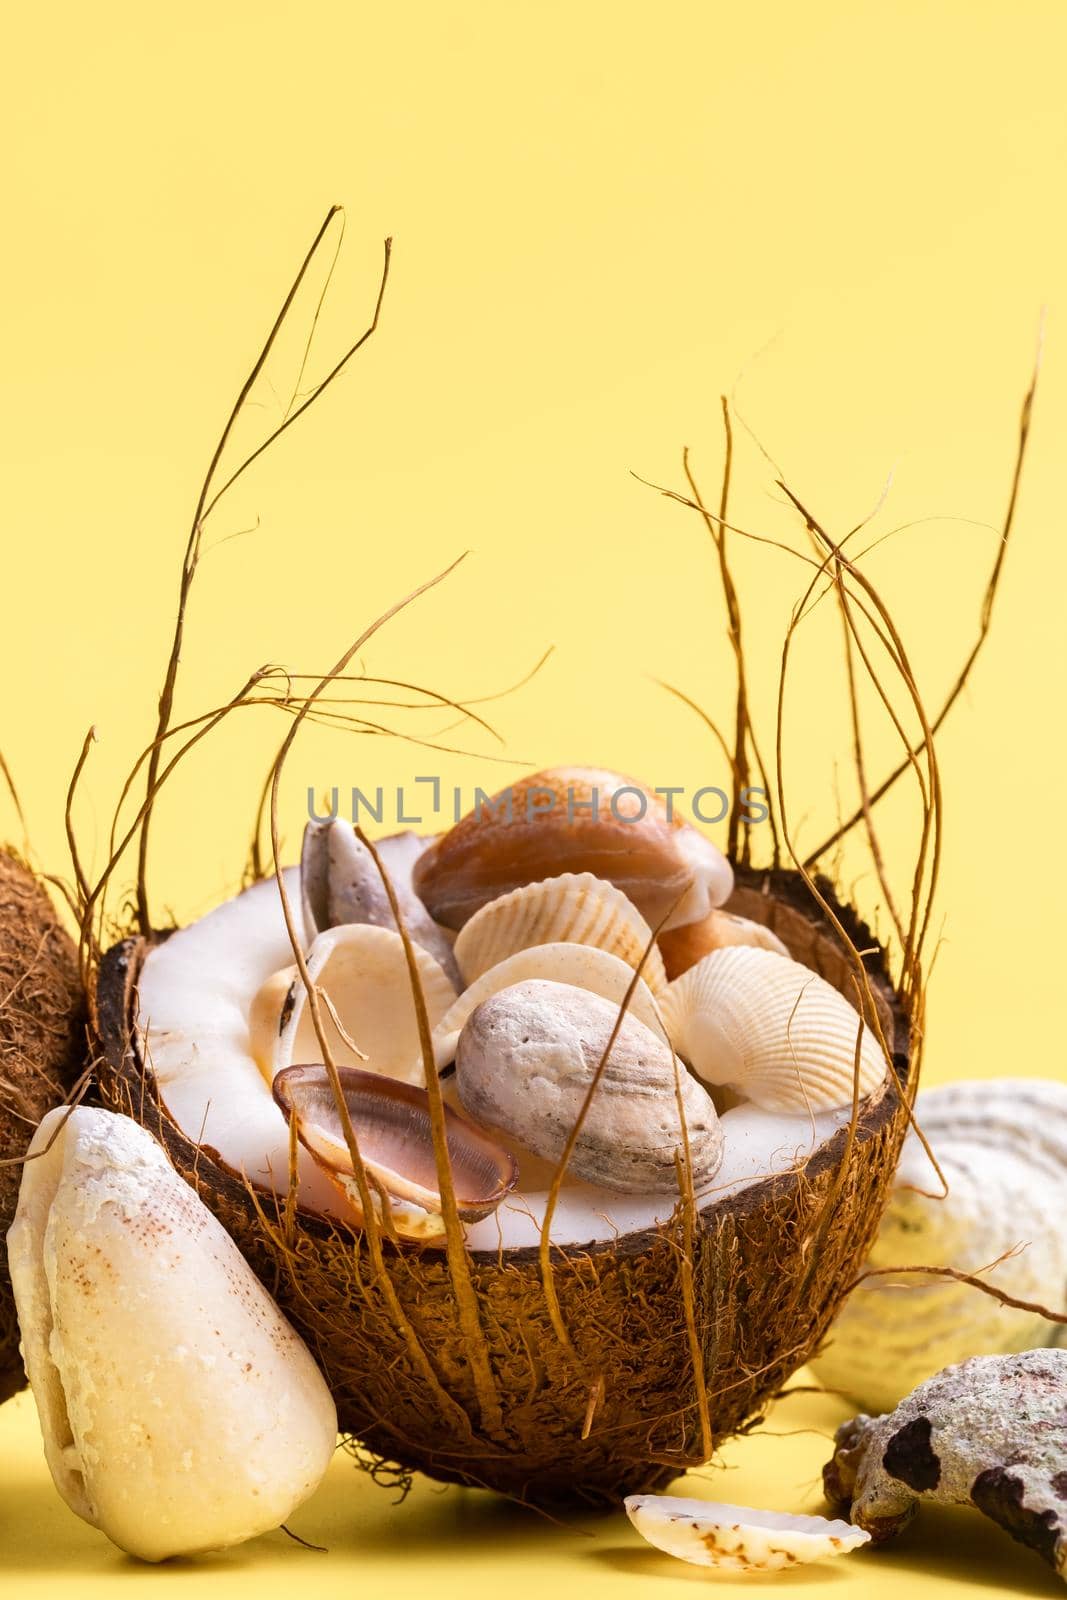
42 1051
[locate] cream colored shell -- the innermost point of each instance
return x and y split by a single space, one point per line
772 1030
180 1411
708 1533
581 965
527 1058
363 972
1002 1146
575 908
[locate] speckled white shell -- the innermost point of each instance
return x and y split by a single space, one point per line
1002 1146
772 1030
581 965
709 1533
575 908
364 972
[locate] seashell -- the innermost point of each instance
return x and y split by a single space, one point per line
771 1029
267 1015
580 820
584 966
364 973
682 948
986 1433
340 883
709 1533
391 1123
575 908
180 1411
1002 1146
526 1059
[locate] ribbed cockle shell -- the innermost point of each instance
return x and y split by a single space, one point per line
368 1014
392 1128
574 819
575 908
772 1030
583 966
526 1059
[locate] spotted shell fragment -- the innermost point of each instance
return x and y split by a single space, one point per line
709 1533
772 1030
574 908
392 1127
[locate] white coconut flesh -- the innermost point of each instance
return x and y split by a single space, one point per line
195 997
710 1533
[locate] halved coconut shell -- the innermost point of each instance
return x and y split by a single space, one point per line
616 1413
392 1129
710 1533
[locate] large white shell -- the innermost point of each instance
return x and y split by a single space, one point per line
709 1533
575 908
1002 1146
179 1409
364 973
527 1058
772 1030
581 965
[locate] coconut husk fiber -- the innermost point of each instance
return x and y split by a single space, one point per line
42 1051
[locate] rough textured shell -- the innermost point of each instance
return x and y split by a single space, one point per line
392 1128
682 948
340 883
574 908
364 972
771 1029
581 965
988 1433
1002 1146
179 1409
709 1533
526 1059
575 819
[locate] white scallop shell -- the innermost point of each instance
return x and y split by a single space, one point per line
364 974
582 965
575 908
709 1533
772 1030
1002 1146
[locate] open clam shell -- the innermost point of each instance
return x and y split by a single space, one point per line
575 908
391 1123
581 965
709 1533
575 819
771 1029
370 1017
340 883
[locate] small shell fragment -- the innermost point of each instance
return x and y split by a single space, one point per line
179 1409
682 948
772 1030
391 1124
526 1059
575 820
574 908
709 1533
363 971
581 965
340 883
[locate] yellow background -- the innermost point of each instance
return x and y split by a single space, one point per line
605 215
